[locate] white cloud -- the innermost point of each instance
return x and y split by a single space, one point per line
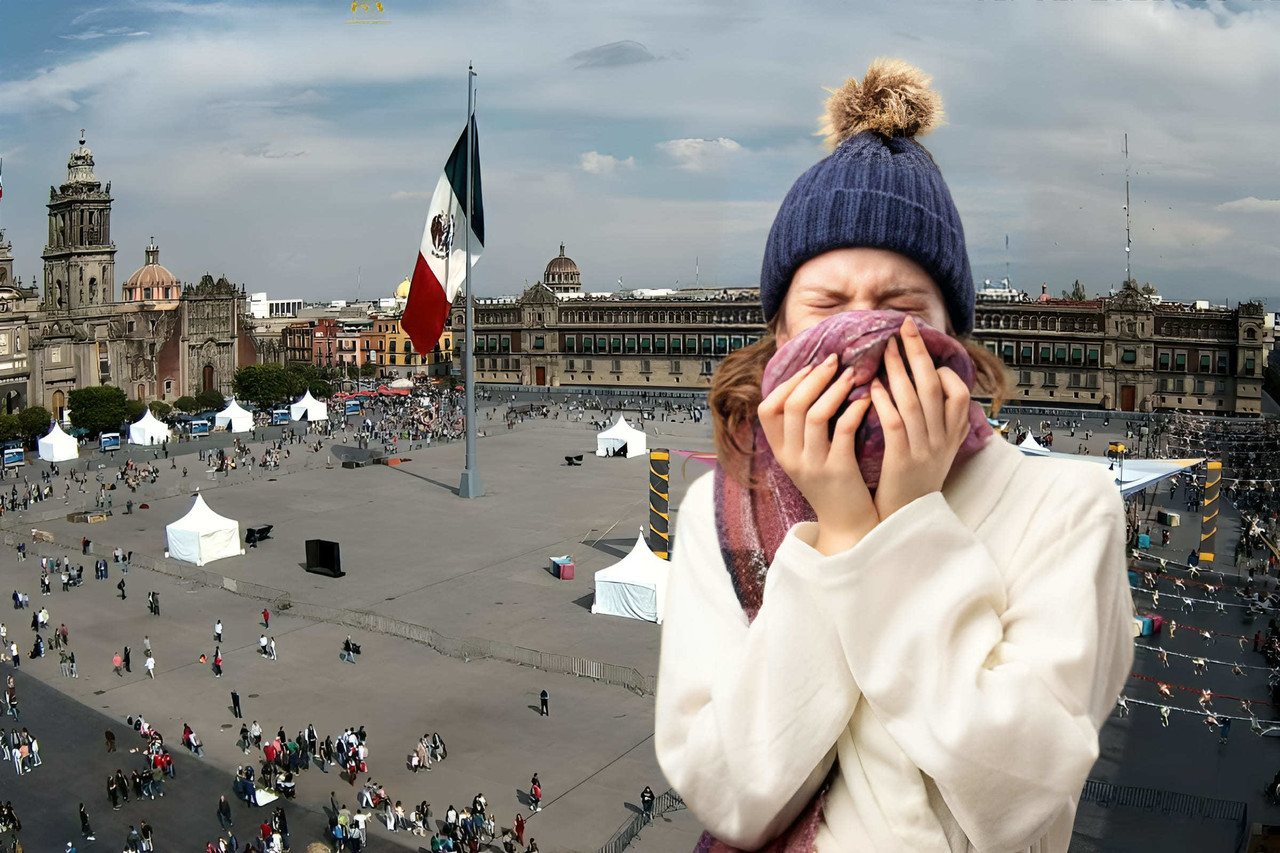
1250 205
595 163
700 155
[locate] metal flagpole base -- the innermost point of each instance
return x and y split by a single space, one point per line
471 486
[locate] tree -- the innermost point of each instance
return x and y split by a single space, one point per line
10 428
368 370
264 385
33 422
97 409
160 410
186 403
1149 290
134 409
210 399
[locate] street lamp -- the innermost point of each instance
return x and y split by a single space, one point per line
1117 450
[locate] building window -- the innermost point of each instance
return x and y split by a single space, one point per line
645 366
1205 359
616 365
586 365
539 342
146 293
615 345
1164 361
1248 366
631 343
676 342
587 343
707 368
1093 356
1050 380
568 365
602 344
675 367
691 344
1077 356
1060 356
1027 350
735 342
570 343
1180 361
1007 353
393 359
660 344
104 364
1219 386
391 346
1223 363
505 344
1044 354
1129 356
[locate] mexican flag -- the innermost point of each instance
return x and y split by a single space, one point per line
440 270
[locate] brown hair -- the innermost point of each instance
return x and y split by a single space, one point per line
735 395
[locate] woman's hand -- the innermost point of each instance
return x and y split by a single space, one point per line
924 423
796 420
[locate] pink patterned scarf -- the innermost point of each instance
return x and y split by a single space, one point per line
752 522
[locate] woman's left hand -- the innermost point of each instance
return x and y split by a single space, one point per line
924 422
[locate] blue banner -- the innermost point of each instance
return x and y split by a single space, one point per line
14 456
109 441
199 427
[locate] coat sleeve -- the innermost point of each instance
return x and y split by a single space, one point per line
747 714
995 689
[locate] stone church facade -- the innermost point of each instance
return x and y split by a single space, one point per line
163 341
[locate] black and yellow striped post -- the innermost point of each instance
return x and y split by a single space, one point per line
659 502
1209 512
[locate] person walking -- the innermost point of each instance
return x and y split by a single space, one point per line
224 812
217 632
85 829
120 586
646 803
150 664
125 658
867 293
111 741
535 793
271 648
117 663
546 710
266 618
235 705
217 662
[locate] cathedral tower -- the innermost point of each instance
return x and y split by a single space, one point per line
79 261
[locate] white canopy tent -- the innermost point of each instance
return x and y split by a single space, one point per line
1138 474
308 407
234 418
635 587
202 536
401 383
57 446
148 430
1030 445
621 437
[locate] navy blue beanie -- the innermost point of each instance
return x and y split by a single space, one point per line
879 188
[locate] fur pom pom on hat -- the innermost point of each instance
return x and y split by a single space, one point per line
878 188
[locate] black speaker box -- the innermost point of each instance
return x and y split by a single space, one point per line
324 558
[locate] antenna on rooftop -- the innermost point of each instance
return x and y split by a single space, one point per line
1128 273
1006 261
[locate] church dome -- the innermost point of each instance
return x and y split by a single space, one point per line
162 283
562 273
402 291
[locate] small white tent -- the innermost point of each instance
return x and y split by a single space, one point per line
57 446
148 430
635 587
1030 445
621 437
234 418
202 536
308 407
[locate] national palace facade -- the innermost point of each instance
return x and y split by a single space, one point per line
1128 352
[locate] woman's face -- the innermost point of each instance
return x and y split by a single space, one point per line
859 279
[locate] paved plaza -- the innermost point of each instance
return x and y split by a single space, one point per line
416 553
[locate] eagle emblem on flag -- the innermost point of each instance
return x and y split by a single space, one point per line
442 234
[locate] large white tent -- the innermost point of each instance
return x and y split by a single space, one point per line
621 437
1133 476
308 407
202 536
148 430
635 587
57 446
234 418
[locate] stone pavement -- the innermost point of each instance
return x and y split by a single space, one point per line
414 551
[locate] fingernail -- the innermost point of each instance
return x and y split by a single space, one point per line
848 374
831 359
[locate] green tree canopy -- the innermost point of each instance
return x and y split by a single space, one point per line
97 409
210 399
186 403
134 409
160 409
33 422
264 385
10 428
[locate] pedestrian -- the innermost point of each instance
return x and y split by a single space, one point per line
146 645
85 829
518 825
224 812
150 664
120 586
271 648
235 704
1225 730
217 662
127 667
535 793
266 618
117 663
546 711
931 496
113 793
111 741
217 632
646 803
1257 641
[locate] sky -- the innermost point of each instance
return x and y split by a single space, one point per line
296 153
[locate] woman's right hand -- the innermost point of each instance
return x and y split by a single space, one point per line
796 420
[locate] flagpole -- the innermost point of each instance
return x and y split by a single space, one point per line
471 486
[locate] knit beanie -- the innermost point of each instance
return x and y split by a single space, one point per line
878 188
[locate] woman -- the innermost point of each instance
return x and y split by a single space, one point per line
885 629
